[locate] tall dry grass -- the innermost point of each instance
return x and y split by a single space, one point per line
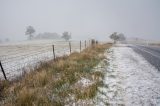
54 82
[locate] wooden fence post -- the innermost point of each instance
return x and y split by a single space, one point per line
3 71
54 52
85 44
80 45
70 47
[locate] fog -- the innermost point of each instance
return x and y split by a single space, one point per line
83 18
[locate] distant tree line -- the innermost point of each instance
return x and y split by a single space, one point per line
47 35
30 31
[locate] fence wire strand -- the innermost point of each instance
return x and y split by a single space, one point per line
18 58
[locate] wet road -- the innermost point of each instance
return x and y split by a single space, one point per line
150 53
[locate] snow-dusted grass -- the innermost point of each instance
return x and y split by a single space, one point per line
68 81
19 57
130 79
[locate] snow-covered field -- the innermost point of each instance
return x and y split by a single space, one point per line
17 57
130 80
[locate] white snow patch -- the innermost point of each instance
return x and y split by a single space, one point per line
111 93
84 82
131 79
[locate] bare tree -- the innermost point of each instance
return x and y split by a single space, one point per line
114 37
29 31
66 36
117 37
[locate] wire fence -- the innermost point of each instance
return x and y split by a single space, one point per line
17 59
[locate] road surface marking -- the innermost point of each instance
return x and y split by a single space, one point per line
148 52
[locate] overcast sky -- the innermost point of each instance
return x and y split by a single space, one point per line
84 18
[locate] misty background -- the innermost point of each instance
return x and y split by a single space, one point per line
83 18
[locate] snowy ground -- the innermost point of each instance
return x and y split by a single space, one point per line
20 56
130 80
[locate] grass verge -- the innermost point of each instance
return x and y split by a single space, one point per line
55 82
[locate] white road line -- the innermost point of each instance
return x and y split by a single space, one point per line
148 52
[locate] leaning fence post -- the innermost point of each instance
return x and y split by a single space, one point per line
70 47
80 46
54 52
3 71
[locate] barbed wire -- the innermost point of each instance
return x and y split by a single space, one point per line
22 57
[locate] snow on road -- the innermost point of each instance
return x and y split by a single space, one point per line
130 79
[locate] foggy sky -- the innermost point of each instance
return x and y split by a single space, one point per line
84 18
